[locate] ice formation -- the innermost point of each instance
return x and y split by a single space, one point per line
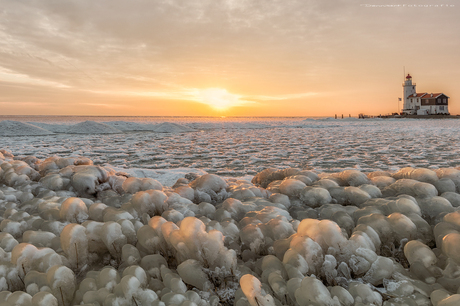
170 127
92 127
75 233
16 128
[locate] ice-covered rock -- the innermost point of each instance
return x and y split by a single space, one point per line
251 287
313 292
73 210
134 184
420 174
291 187
151 202
315 196
209 188
74 243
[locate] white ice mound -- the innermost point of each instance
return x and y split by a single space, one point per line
16 128
126 126
169 127
92 127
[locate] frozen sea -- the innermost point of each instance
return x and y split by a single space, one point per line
240 146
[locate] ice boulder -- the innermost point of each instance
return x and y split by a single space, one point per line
452 197
404 205
134 184
192 273
38 238
112 235
326 183
151 202
54 181
357 196
87 179
434 207
445 185
420 174
452 174
402 227
7 241
382 181
310 251
209 188
325 232
269 175
410 187
73 210
44 299
380 269
313 292
74 243
352 178
451 246
315 196
19 298
61 281
191 241
416 251
252 289
291 187
362 293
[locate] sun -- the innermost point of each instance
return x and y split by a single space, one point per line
219 98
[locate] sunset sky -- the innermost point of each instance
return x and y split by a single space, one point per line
216 57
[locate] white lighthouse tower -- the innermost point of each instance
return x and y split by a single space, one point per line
408 91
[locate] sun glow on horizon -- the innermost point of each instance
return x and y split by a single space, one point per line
219 98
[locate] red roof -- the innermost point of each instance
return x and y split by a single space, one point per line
432 95
418 95
408 76
425 95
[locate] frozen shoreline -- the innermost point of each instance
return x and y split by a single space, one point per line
73 232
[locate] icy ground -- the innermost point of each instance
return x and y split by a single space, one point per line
240 146
123 212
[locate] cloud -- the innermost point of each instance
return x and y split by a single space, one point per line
8 76
259 50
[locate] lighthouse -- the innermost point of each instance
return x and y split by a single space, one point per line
423 103
408 91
